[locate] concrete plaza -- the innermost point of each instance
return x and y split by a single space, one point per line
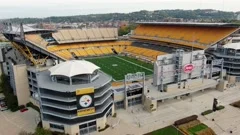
12 123
136 121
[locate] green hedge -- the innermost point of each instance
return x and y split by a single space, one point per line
169 130
114 115
39 125
29 104
58 133
185 120
21 107
42 131
206 112
220 107
14 109
12 102
107 126
10 98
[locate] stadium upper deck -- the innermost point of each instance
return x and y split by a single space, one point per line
197 35
63 44
84 49
74 43
85 35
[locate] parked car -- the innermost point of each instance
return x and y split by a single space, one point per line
24 110
3 106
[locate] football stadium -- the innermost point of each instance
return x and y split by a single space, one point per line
80 78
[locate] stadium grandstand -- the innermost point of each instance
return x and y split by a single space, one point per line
147 42
197 35
85 35
69 48
86 49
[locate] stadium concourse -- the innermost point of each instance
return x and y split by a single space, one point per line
157 62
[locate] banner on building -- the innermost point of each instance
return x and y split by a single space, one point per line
134 76
188 68
85 101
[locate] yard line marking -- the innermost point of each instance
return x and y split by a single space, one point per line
134 63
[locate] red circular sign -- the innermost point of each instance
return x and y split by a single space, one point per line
188 68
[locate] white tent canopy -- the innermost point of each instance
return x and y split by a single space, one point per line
73 67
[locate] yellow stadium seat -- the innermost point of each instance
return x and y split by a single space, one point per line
144 52
97 51
198 37
105 50
82 52
90 51
36 39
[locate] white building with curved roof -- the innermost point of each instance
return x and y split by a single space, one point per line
73 67
75 97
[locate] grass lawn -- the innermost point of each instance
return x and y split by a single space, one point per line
170 130
197 128
118 66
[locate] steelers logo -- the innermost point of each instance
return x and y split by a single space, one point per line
85 101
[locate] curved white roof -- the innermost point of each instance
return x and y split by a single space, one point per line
235 46
73 67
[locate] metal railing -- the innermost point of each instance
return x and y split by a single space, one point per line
103 99
59 106
73 116
58 98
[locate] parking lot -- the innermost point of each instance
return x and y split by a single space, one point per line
13 123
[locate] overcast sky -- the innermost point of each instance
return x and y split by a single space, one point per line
45 8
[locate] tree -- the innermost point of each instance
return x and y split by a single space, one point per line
11 99
12 102
24 133
5 85
157 15
125 30
42 131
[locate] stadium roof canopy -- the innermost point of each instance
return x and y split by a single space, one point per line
26 29
73 67
235 46
191 24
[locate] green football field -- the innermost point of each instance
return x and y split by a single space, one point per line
118 66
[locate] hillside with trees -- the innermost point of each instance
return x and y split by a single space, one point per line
157 15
